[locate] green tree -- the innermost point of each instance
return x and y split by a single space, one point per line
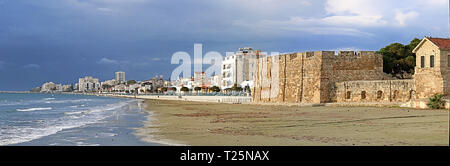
106 86
399 59
131 82
236 88
215 89
197 88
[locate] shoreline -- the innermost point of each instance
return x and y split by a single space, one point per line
75 121
220 124
148 122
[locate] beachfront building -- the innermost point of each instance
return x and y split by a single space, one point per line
88 84
67 88
153 84
120 77
200 80
239 67
108 85
119 88
133 88
184 82
48 87
215 81
51 87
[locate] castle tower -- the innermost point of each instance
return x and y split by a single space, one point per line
432 71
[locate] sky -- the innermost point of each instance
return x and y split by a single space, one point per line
63 40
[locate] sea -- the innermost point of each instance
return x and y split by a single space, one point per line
32 119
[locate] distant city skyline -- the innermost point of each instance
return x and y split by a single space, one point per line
61 41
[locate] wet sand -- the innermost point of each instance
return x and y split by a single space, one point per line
199 123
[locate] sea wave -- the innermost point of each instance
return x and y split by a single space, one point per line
20 134
34 109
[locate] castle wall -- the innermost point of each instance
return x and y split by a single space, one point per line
445 70
349 66
375 91
310 77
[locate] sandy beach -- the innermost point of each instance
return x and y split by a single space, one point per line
201 123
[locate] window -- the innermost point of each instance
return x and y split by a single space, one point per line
379 94
363 95
348 95
432 61
422 61
412 94
448 61
395 95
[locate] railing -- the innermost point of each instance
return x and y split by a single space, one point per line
239 100
191 93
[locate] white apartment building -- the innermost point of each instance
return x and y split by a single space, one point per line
88 84
240 67
52 87
109 82
215 81
183 82
120 77
200 80
48 87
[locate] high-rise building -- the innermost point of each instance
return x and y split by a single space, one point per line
120 76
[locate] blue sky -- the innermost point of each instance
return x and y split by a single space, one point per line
62 40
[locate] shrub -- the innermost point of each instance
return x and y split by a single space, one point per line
215 89
436 102
184 89
197 88
236 88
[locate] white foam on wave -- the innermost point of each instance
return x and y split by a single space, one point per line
74 113
68 101
34 109
50 98
20 134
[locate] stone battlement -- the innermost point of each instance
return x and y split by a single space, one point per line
331 55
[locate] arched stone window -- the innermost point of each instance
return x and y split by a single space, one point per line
395 95
363 95
348 95
379 94
412 94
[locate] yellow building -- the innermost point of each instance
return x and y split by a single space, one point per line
432 71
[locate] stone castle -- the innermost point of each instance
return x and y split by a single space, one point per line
323 77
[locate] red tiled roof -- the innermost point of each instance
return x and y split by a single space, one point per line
442 43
